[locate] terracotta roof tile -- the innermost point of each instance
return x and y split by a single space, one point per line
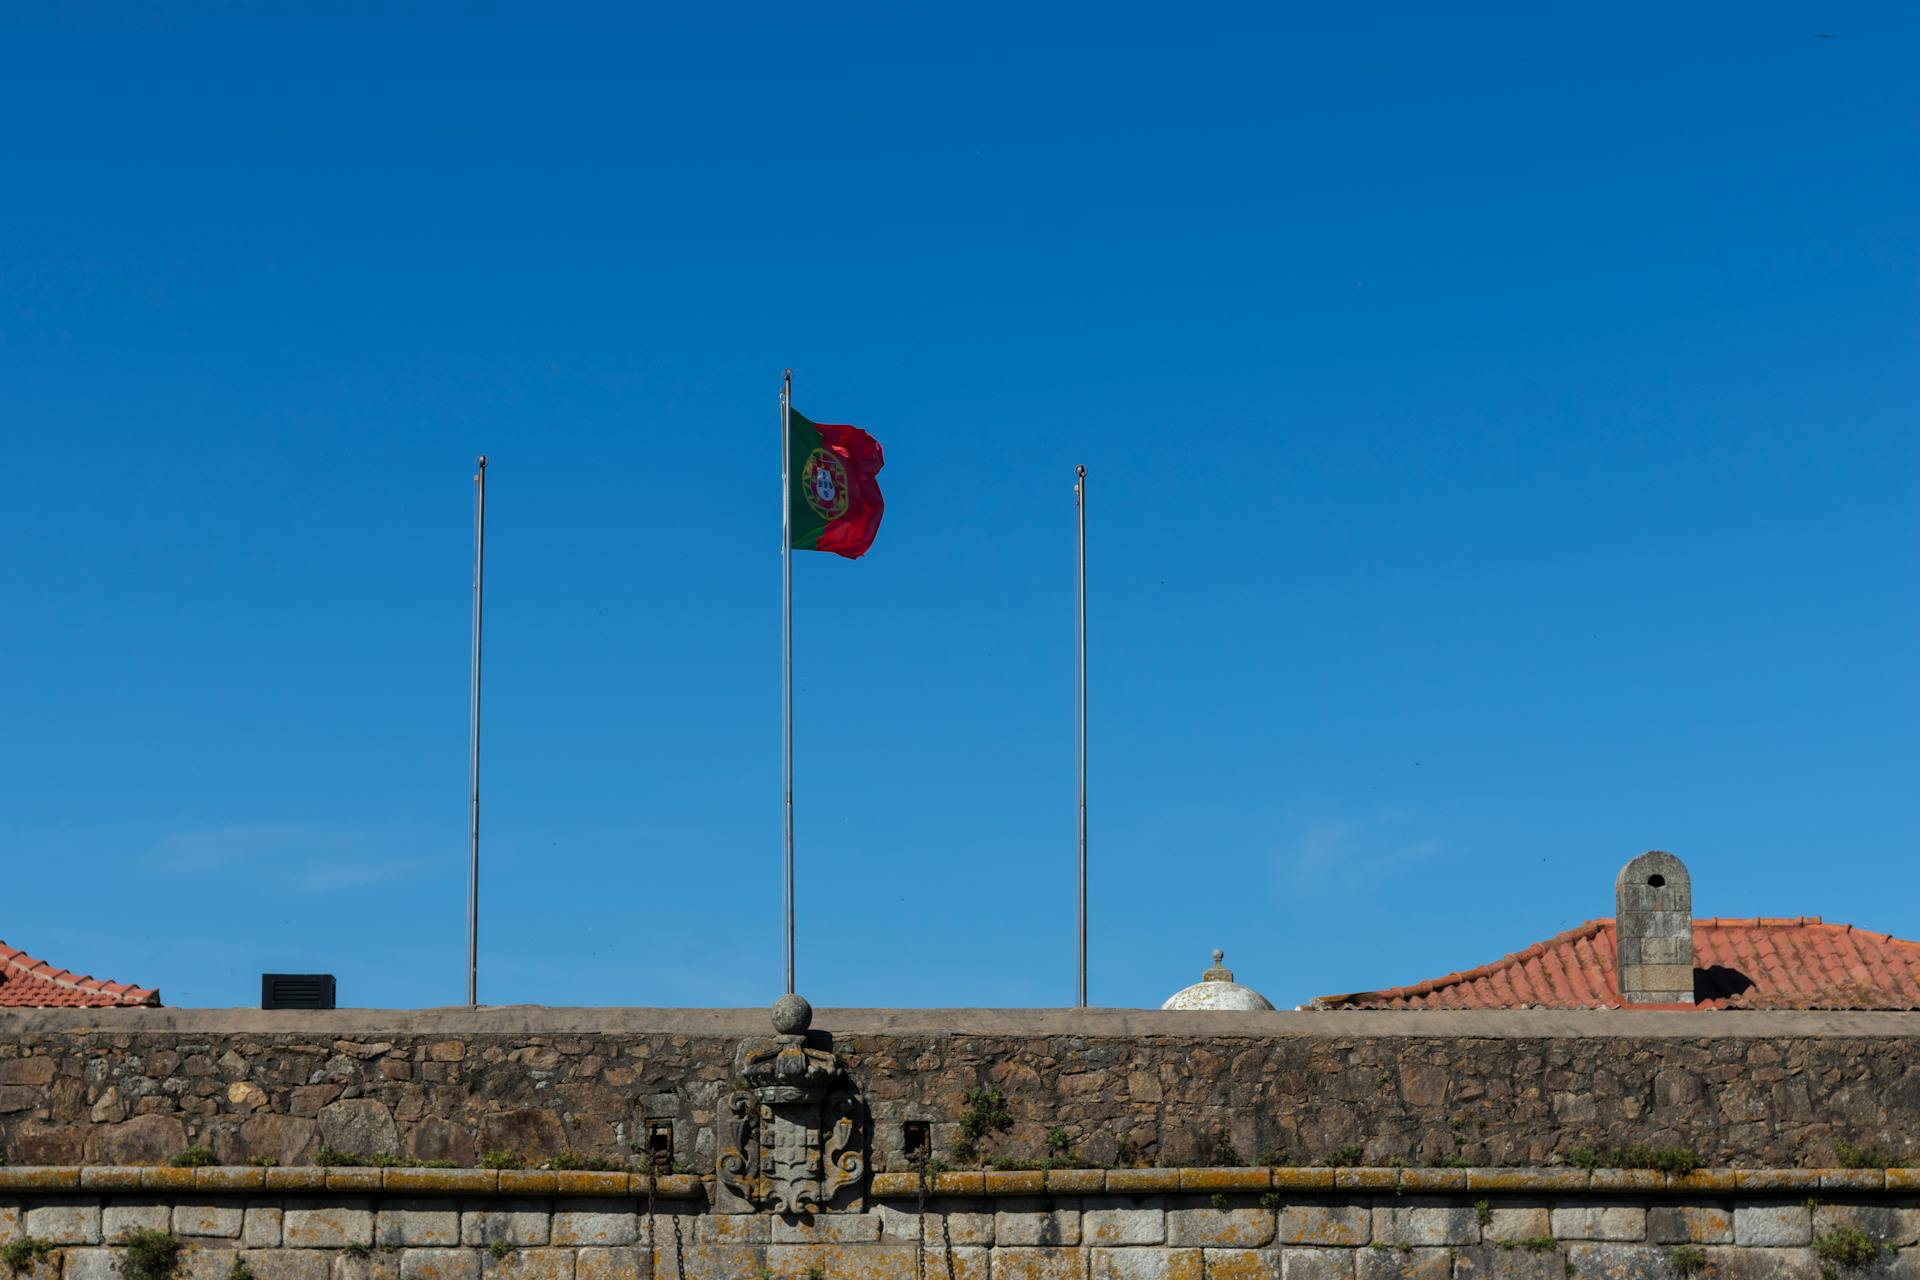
1760 963
28 983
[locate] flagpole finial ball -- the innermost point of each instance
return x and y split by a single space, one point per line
792 1015
1218 955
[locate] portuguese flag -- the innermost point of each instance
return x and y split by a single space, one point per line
835 500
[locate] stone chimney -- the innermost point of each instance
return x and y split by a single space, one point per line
1653 924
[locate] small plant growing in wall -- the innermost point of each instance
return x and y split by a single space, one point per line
195 1157
499 1249
500 1160
1224 1154
23 1254
1345 1156
240 1271
1688 1259
986 1114
1483 1213
1059 1142
1846 1247
149 1255
1864 1156
1676 1160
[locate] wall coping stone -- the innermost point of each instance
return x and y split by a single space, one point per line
520 1020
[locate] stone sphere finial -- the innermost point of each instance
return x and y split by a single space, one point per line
792 1015
1218 956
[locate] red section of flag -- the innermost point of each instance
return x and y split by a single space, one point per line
851 534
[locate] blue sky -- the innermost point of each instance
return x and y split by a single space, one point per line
1500 419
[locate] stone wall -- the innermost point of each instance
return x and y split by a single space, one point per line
131 1086
1087 1224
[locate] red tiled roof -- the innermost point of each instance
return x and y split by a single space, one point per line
1762 963
27 983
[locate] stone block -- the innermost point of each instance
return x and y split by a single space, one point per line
1422 1221
65 1221
288 1264
363 1264
620 1263
1241 1264
1074 1182
1735 1263
261 1228
519 1223
1345 1225
215 1218
418 1223
897 1222
91 1264
854 1261
327 1226
440 1264
109 1178
701 1262
1114 1220
1146 1264
134 1213
966 1262
1599 1222
209 1259
1379 1263
959 1223
1518 1222
1619 1262
9 1223
733 1228
1772 1226
1040 1263
1313 1263
1885 1223
595 1222
1689 1224
1492 1262
530 1264
1220 1228
1029 1223
827 1228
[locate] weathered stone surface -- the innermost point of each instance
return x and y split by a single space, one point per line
897 1222
9 1223
147 1139
1153 1264
288 1264
440 1264
213 1218
358 1264
1518 1222
1772 1225
417 1222
1619 1262
1893 1225
518 1223
732 1228
1311 1263
1600 1221
596 1222
1220 1228
1324 1224
1689 1224
1039 1264
1378 1263
825 1228
1024 1222
613 1264
1242 1264
122 1214
91 1264
528 1264
1491 1262
208 1259
261 1228
309 1225
358 1125
854 1261
65 1221
1115 1220
959 1222
1422 1220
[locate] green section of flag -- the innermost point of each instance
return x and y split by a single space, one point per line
802 439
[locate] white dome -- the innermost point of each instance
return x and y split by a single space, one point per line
1217 990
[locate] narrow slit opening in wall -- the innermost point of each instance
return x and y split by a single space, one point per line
660 1145
915 1138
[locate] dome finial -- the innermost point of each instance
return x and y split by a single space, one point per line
1218 955
1217 990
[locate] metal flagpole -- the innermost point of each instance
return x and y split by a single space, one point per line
786 655
1080 505
473 738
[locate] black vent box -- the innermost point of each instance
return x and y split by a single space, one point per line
296 991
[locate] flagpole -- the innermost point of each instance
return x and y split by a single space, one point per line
1080 506
473 735
786 657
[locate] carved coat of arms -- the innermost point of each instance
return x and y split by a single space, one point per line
792 1133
